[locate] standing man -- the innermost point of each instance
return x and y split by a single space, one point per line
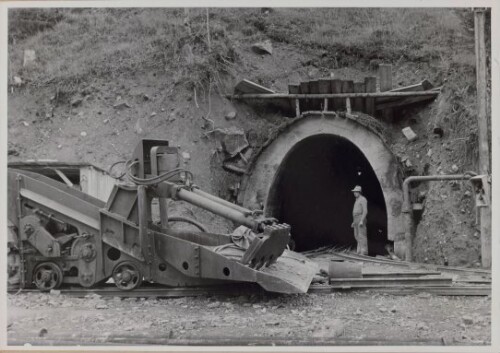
359 212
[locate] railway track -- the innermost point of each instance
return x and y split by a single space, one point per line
396 286
383 261
151 291
405 282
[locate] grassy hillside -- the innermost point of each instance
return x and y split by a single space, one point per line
171 66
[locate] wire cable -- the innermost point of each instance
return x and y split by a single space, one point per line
156 179
115 164
188 220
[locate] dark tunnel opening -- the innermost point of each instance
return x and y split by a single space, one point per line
312 193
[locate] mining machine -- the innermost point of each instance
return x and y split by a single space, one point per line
60 236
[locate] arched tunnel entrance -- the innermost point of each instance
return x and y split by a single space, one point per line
312 193
305 175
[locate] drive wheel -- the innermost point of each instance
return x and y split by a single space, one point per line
47 276
127 276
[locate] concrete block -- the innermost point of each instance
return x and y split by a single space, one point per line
409 133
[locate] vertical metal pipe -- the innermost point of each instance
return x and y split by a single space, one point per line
407 209
144 216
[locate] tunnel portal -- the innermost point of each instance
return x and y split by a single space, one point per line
305 175
312 193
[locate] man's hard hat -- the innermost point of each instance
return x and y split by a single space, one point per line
357 188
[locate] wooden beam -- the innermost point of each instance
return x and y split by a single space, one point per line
385 75
337 89
304 89
246 86
342 96
294 89
484 148
347 86
314 89
402 102
357 104
425 85
370 87
324 86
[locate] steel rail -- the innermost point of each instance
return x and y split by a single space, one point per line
373 282
400 274
406 264
151 291
460 290
478 291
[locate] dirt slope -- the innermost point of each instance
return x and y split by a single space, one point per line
171 74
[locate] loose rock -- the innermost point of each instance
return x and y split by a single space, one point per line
76 101
265 47
213 305
467 320
18 81
121 105
422 326
233 140
409 133
230 115
29 57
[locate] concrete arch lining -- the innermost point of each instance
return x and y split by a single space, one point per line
257 186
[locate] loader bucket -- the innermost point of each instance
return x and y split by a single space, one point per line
290 273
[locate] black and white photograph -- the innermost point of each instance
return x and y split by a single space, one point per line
205 176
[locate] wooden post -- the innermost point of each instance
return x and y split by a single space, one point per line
337 88
331 106
305 105
314 89
294 89
370 86
484 150
347 87
357 103
324 87
385 77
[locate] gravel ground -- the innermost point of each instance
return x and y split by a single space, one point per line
355 317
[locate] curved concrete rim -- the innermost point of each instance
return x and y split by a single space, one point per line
257 184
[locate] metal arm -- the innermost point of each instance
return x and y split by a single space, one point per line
213 204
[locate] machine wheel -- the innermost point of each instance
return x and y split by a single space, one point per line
47 276
127 276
